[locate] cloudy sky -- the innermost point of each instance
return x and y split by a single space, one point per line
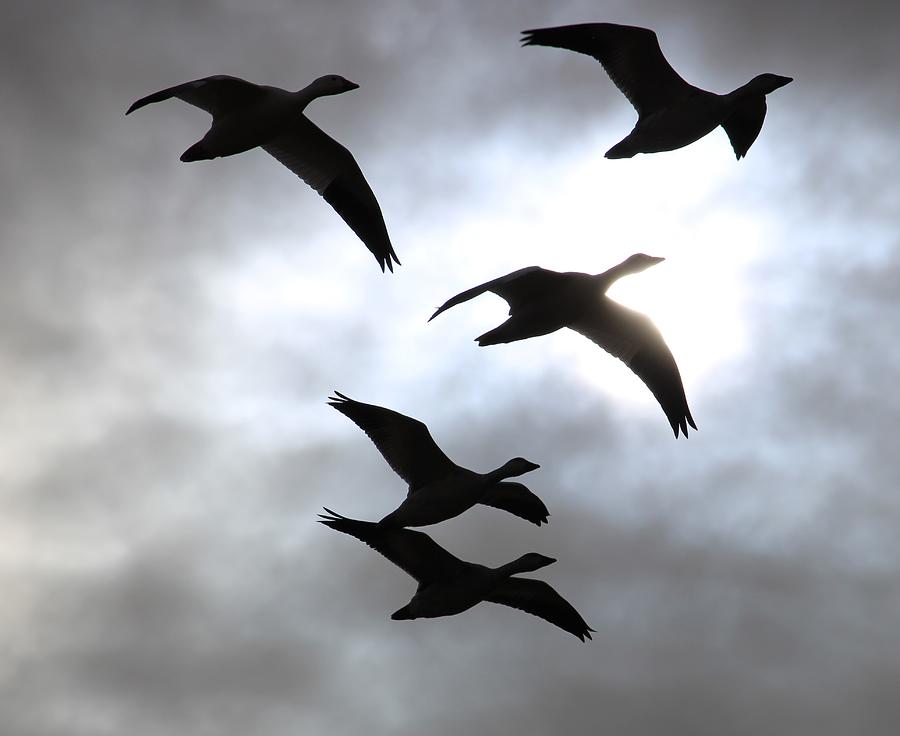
169 334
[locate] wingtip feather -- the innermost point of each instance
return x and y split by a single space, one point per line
388 260
327 517
338 399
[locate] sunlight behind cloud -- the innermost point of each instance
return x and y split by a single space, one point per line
266 284
572 210
696 296
594 215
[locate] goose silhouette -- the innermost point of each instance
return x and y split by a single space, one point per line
671 112
448 585
247 115
543 301
439 489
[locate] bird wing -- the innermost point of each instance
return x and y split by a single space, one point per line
218 95
414 552
636 341
630 55
540 599
744 124
516 499
517 288
331 170
404 442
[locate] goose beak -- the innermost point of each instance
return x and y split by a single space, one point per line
351 85
781 81
656 259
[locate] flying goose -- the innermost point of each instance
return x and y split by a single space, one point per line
246 115
439 489
671 112
448 585
542 301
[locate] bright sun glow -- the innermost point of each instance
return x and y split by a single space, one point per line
597 214
582 213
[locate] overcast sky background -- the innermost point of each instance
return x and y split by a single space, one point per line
169 334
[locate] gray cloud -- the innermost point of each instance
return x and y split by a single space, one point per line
171 332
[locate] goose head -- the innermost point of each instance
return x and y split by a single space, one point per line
766 83
518 466
639 262
532 561
331 84
633 264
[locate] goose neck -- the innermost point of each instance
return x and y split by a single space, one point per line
306 95
495 476
512 568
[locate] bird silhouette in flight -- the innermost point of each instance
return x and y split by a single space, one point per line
543 301
247 115
448 585
671 112
439 489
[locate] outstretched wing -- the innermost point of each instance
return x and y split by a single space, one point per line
218 95
415 553
744 124
540 599
516 499
331 170
517 288
404 442
630 55
636 341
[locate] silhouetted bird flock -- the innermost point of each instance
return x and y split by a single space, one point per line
671 114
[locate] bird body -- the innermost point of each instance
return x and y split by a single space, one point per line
672 127
450 595
440 499
247 115
251 126
439 489
671 112
543 301
448 585
444 497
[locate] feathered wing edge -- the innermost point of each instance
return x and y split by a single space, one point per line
417 554
515 498
744 124
216 95
630 55
540 599
514 288
636 341
330 169
404 442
